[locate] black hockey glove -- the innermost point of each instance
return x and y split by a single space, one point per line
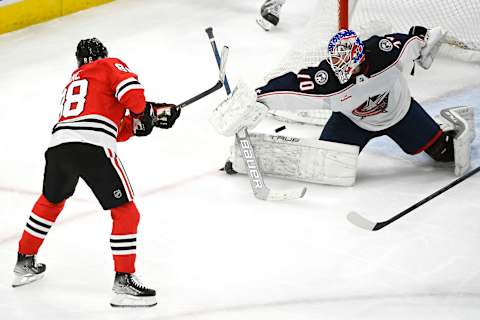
165 114
418 31
143 123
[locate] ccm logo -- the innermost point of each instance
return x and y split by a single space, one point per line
286 139
251 164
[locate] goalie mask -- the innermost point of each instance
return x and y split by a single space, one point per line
89 50
345 53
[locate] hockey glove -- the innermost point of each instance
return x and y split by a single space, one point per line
143 123
418 31
165 114
433 40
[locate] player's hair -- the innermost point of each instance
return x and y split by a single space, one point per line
89 50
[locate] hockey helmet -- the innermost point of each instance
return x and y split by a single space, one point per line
345 53
89 50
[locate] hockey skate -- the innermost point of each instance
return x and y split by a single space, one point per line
228 168
128 291
27 270
270 14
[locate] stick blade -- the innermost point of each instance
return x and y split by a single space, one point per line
360 221
223 62
278 195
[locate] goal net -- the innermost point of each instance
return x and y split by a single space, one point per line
460 18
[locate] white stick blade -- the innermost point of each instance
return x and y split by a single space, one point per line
360 221
278 195
223 62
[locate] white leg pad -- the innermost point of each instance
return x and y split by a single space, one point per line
462 121
301 159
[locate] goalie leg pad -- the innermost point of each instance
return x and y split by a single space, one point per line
301 159
239 110
461 121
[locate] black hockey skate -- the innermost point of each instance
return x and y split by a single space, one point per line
128 291
228 168
27 270
269 14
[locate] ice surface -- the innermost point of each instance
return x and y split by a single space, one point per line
206 244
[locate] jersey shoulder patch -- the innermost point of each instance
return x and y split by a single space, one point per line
381 52
322 79
385 45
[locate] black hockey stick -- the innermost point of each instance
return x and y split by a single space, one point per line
217 85
364 223
260 190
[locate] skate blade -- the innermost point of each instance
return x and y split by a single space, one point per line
23 280
265 24
129 301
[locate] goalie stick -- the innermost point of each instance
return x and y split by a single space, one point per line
364 223
217 85
260 190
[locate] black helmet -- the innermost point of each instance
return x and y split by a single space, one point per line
89 50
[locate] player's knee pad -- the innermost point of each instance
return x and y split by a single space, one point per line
125 218
301 159
459 120
442 149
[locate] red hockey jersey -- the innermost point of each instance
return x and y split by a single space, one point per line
94 104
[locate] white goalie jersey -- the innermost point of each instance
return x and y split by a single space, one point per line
374 100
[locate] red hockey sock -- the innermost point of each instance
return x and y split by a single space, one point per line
42 218
123 240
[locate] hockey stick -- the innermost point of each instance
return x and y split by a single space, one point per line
364 223
260 190
217 85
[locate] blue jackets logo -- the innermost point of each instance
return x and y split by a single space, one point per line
373 106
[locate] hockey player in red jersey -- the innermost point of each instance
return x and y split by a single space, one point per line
103 103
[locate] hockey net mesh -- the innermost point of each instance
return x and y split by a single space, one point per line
460 18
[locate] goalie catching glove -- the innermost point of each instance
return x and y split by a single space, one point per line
433 40
239 110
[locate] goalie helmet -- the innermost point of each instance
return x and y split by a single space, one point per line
345 53
89 50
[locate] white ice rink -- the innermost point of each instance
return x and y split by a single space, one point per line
209 248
